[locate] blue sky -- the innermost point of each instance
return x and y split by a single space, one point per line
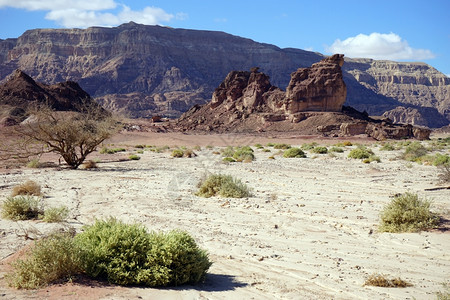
400 30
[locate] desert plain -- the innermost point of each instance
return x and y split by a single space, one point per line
309 230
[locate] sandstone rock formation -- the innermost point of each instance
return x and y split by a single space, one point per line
318 88
313 104
146 70
20 91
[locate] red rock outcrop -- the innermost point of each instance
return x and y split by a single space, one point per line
318 88
313 104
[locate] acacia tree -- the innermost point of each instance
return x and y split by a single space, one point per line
73 135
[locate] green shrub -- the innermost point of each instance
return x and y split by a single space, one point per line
228 160
414 151
266 150
294 153
228 151
139 146
55 214
441 159
28 188
371 159
177 153
21 208
282 146
361 152
223 185
34 164
320 150
344 144
244 154
105 150
259 146
134 157
129 255
309 146
336 149
50 260
407 213
270 144
387 147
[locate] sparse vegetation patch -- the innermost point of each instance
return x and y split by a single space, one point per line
408 213
294 153
21 208
383 281
223 185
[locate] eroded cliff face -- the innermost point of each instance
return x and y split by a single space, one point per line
415 93
146 70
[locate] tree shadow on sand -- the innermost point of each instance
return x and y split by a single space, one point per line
213 283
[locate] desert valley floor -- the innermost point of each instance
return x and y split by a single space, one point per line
308 232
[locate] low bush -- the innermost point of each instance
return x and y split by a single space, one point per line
387 147
223 185
383 281
28 188
129 255
360 152
414 151
228 160
336 149
90 164
344 144
270 144
134 157
34 164
121 253
50 260
259 146
244 154
294 153
55 214
228 151
177 153
407 213
183 153
320 150
21 208
444 295
441 159
371 159
282 146
444 173
309 146
105 150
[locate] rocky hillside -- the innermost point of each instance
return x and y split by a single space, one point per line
146 70
20 91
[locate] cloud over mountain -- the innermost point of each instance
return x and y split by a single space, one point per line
379 46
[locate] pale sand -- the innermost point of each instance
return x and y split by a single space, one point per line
309 231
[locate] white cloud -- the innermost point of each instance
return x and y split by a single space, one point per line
379 46
85 13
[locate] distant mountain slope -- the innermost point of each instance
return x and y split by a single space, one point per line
20 91
144 70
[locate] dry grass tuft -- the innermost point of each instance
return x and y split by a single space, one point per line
28 188
381 280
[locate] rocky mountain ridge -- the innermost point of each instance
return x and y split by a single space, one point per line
141 70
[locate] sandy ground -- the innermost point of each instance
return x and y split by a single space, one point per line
308 232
